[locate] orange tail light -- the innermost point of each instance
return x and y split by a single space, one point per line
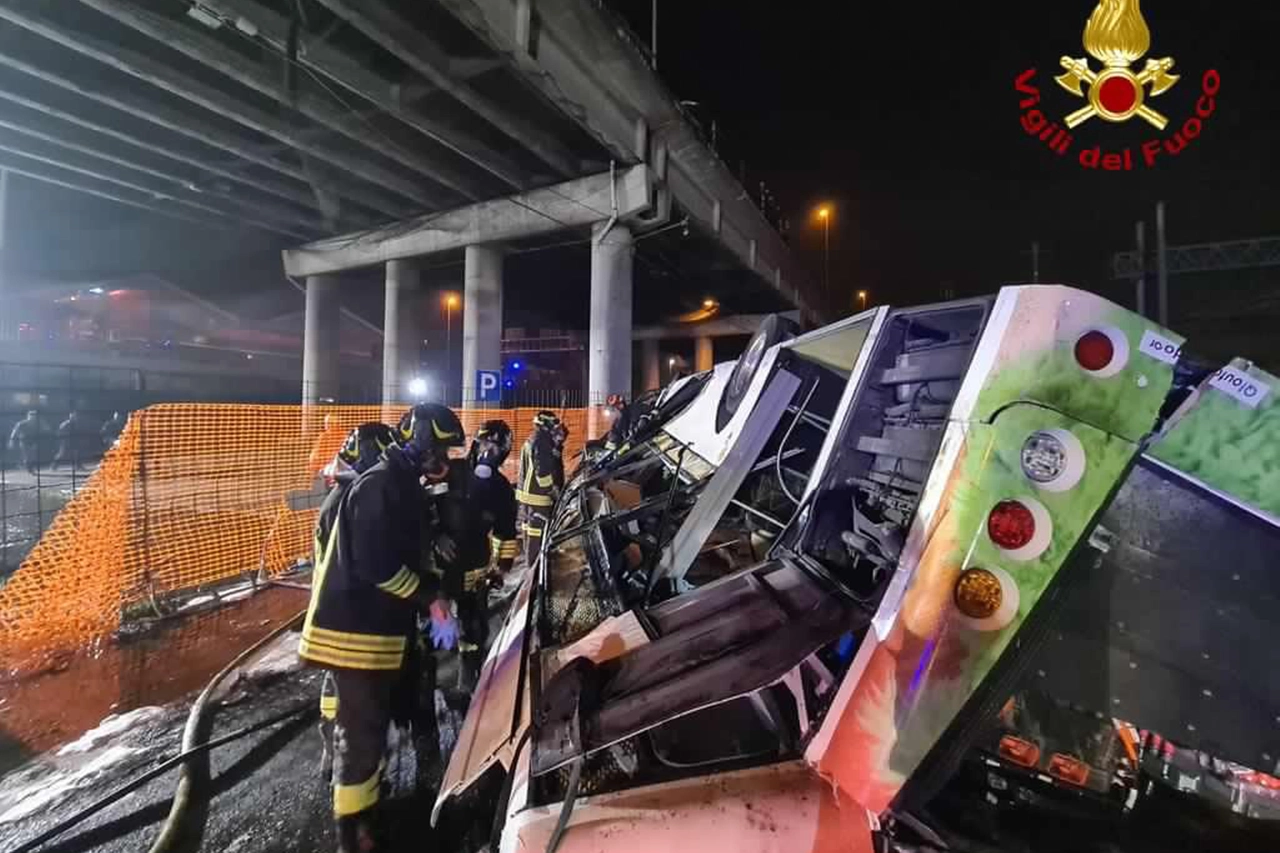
1024 753
1069 769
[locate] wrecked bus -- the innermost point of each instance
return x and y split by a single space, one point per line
794 605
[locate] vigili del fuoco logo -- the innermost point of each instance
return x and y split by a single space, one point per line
1116 36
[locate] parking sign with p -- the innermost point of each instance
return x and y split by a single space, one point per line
488 386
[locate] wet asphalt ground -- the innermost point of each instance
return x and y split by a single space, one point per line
265 792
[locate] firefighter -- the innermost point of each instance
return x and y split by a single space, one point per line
366 593
541 478
479 508
621 426
25 438
361 451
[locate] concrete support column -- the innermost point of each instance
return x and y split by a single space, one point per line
401 336
704 354
650 364
609 344
481 316
320 364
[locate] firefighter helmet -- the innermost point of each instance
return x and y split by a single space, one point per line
427 431
491 446
546 421
365 444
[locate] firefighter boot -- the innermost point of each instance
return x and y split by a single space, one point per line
360 833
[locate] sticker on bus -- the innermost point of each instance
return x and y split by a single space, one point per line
1159 347
1238 384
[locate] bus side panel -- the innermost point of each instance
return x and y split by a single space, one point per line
916 672
1074 352
1227 436
1168 621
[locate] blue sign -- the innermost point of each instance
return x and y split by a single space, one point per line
488 386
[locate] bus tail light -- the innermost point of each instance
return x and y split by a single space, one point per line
1020 528
987 599
1017 751
1102 352
1069 769
1053 459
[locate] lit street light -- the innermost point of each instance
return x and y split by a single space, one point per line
418 388
450 302
824 214
862 300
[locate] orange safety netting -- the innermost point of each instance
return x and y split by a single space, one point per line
193 495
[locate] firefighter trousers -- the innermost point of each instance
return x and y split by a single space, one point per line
533 523
356 708
364 710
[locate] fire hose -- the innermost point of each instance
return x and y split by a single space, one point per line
170 832
191 748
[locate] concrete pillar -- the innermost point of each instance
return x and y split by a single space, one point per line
651 364
704 357
609 344
401 336
320 364
481 316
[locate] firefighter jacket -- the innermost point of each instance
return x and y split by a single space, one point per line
479 514
366 586
541 473
617 437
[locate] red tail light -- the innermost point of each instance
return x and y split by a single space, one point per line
1265 780
1069 769
1017 751
1011 525
1094 350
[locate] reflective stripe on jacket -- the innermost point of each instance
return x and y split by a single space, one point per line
365 584
541 473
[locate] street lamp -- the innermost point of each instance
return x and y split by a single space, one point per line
862 300
824 214
450 302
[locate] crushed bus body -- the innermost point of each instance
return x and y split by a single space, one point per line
791 610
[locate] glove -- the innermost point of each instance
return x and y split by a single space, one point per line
446 547
444 627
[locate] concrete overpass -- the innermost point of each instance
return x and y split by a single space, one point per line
578 59
471 126
651 338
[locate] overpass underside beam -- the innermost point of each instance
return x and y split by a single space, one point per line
385 187
572 52
352 74
423 54
573 204
257 77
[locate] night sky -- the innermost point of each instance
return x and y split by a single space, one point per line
905 117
